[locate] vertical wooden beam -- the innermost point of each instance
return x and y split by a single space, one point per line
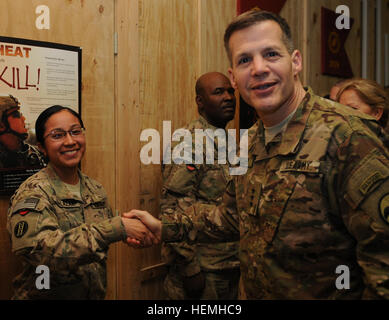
127 138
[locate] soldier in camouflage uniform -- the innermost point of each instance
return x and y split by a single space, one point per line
61 218
316 193
14 152
205 271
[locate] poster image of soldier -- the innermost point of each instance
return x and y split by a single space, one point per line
18 159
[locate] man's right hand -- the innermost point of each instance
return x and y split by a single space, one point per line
139 234
153 225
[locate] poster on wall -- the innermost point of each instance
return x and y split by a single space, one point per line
334 59
34 75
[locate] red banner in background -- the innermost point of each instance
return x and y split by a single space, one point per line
334 60
274 6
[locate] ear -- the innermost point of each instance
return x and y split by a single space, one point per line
200 105
297 62
377 113
232 78
199 100
42 149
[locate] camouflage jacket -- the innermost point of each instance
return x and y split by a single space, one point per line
51 226
315 198
184 185
30 156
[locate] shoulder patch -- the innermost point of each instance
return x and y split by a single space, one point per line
26 205
384 207
20 229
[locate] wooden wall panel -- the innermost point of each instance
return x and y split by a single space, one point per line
159 60
321 84
168 71
88 24
214 17
129 261
294 12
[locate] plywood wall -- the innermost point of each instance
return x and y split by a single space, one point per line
214 17
164 46
321 84
90 25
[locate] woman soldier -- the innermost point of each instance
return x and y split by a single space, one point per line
60 218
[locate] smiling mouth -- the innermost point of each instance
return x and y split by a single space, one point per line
70 152
264 86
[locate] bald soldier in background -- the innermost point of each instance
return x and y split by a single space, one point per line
312 210
201 271
14 152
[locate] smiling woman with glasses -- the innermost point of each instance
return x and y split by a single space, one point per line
61 218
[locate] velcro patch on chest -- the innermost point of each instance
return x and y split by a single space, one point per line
69 203
309 166
98 205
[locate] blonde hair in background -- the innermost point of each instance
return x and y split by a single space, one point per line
371 93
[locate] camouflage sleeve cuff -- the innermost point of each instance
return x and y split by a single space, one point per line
170 231
112 230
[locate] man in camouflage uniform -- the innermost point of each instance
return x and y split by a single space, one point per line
14 152
316 193
66 229
206 271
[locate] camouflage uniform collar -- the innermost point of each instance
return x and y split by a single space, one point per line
205 124
288 142
61 190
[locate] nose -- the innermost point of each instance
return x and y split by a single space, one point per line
228 96
69 140
259 66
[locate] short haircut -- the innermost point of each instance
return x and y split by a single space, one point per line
253 17
371 93
40 124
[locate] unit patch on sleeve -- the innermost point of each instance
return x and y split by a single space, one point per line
384 207
20 229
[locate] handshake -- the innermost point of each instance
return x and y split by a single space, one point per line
142 229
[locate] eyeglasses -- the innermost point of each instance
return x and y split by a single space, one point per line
59 134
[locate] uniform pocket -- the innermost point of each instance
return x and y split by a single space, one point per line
213 184
275 196
69 213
